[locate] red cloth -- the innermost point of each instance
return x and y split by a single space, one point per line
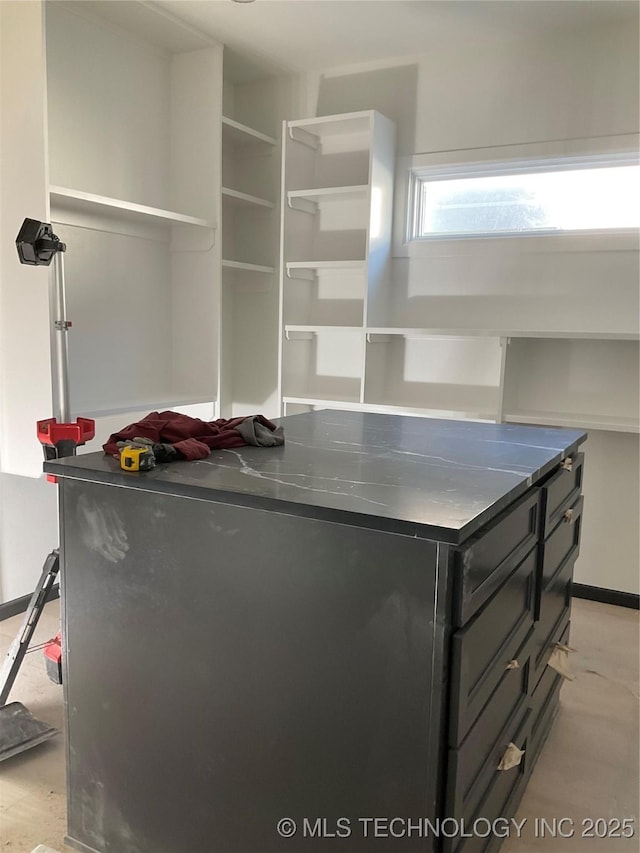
192 437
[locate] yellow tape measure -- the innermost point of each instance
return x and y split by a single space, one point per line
137 459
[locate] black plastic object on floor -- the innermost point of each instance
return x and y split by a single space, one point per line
20 730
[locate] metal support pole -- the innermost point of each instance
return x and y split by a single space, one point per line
61 402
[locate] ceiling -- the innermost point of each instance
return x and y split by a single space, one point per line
306 35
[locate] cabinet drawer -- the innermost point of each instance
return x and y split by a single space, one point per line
498 791
554 618
488 558
506 704
481 651
544 703
560 491
563 544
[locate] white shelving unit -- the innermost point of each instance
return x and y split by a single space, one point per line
243 267
416 371
170 212
337 186
244 200
82 202
133 194
256 98
240 135
591 383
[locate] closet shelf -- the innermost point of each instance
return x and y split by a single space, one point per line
345 124
316 196
610 423
318 329
502 333
154 404
385 408
294 266
239 134
240 265
244 199
87 202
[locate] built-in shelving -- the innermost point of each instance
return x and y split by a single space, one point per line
294 405
319 329
504 333
326 127
87 202
235 133
245 199
313 197
255 95
588 383
142 405
135 200
334 167
244 267
294 267
575 421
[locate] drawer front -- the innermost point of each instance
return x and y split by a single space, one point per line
508 702
548 631
560 491
499 791
544 703
488 558
557 558
481 651
562 545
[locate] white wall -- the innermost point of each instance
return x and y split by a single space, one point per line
576 84
24 302
28 518
567 89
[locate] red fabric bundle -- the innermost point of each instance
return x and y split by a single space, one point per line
191 437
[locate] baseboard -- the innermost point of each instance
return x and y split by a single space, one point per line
606 596
19 605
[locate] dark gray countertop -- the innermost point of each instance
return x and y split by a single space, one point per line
430 478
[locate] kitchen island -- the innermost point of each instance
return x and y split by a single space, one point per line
267 649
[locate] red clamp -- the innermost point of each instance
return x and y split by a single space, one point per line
51 432
59 440
53 658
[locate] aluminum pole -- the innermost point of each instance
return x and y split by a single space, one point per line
61 401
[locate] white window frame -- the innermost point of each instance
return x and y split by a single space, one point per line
508 160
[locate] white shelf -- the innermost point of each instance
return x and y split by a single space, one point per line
384 408
244 199
342 125
292 266
155 404
319 328
501 333
610 423
240 265
316 196
86 202
239 134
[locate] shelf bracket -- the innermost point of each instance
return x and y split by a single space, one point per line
308 139
304 274
302 205
299 336
372 338
189 238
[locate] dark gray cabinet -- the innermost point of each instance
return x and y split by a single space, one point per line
353 626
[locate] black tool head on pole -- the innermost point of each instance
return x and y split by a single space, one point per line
37 244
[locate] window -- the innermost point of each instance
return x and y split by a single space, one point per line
529 198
